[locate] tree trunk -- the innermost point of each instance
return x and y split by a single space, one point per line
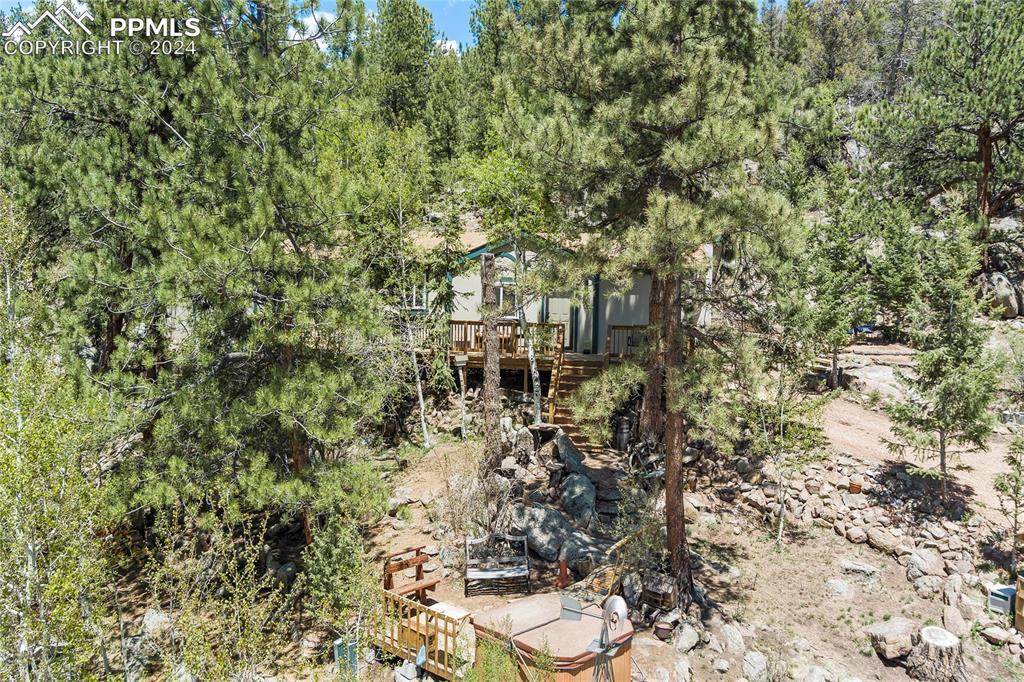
984 198
462 400
531 357
298 464
942 463
897 57
419 388
1014 543
651 413
936 656
492 366
781 527
985 158
298 454
833 377
675 443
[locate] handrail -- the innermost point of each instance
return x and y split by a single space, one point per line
467 336
405 626
625 340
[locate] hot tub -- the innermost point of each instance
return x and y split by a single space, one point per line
536 627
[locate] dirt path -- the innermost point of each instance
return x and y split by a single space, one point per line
859 431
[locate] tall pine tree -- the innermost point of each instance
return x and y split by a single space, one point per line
641 133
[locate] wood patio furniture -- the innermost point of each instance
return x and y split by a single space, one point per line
398 562
498 562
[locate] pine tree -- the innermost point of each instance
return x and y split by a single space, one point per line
400 55
514 210
896 279
1010 489
954 380
769 372
838 282
907 27
842 48
796 32
960 121
202 254
444 108
640 132
485 62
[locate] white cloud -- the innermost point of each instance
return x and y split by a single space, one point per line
448 45
313 25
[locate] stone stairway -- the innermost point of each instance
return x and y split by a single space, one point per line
573 372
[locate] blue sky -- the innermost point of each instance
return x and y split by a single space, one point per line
451 17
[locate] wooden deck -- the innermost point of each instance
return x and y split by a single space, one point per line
467 344
567 370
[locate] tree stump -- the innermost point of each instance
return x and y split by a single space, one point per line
936 656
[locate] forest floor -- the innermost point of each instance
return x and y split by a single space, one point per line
856 429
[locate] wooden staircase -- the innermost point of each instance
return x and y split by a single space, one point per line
566 378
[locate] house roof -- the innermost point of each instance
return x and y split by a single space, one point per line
473 237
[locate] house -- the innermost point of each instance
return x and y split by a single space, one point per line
607 321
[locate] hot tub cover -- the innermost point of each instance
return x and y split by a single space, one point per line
534 625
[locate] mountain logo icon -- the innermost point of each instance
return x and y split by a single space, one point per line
63 18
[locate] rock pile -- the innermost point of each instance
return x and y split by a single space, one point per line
889 512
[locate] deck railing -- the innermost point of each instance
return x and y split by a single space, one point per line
467 336
404 626
625 340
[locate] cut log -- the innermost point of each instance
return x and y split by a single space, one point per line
936 656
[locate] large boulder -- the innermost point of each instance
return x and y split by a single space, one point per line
682 670
685 637
996 635
140 656
859 568
954 621
579 497
1004 295
571 456
546 529
755 666
522 446
924 561
892 638
882 540
579 545
733 639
